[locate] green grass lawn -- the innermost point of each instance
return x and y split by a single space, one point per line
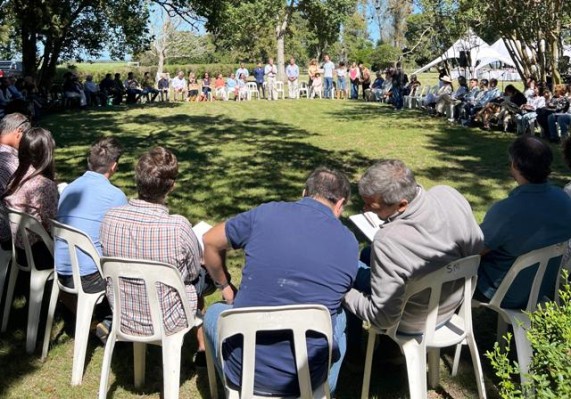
234 156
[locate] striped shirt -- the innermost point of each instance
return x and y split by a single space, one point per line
142 230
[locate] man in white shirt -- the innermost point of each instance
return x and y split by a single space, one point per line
328 68
179 85
292 73
242 71
271 71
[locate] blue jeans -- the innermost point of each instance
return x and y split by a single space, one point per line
362 284
328 86
339 335
341 83
563 120
397 97
355 90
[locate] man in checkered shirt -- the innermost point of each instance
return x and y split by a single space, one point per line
144 229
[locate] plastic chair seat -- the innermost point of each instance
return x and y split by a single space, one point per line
248 322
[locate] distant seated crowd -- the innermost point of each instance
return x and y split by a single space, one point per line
295 252
482 103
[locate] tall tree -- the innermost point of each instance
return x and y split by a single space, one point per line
231 20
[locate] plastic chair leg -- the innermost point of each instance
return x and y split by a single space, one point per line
5 257
416 368
106 366
501 331
368 364
37 285
456 363
139 359
477 366
523 347
49 320
211 370
85 305
433 368
9 296
171 365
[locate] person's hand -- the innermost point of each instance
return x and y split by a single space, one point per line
228 293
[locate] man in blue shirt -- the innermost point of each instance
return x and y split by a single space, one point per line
296 253
83 204
328 68
535 215
259 74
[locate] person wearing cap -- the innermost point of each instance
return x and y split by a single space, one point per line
445 89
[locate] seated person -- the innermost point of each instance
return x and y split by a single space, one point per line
447 100
148 86
316 88
220 88
563 120
469 98
242 88
106 86
163 85
83 204
118 89
485 96
92 92
296 253
424 230
206 89
445 89
179 85
134 91
411 88
559 103
72 88
144 229
193 88
231 84
377 87
513 101
32 190
511 230
525 119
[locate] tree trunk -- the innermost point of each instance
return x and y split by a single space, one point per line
29 60
161 64
280 47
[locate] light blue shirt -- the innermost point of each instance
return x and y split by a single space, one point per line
292 71
82 205
328 68
231 83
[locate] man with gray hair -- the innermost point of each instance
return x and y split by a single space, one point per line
423 231
12 128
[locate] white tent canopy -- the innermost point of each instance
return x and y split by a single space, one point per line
475 49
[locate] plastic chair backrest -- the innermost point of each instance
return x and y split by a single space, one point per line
296 318
540 256
152 274
75 239
462 269
27 223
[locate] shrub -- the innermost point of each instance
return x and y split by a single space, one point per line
550 338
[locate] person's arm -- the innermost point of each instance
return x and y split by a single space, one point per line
215 246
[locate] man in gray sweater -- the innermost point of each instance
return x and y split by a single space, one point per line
423 231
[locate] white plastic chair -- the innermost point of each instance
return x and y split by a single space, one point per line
5 257
153 274
38 278
456 331
249 321
253 90
303 89
280 89
76 240
517 318
416 100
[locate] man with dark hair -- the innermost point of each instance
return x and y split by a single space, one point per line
144 229
83 204
296 253
424 230
535 215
